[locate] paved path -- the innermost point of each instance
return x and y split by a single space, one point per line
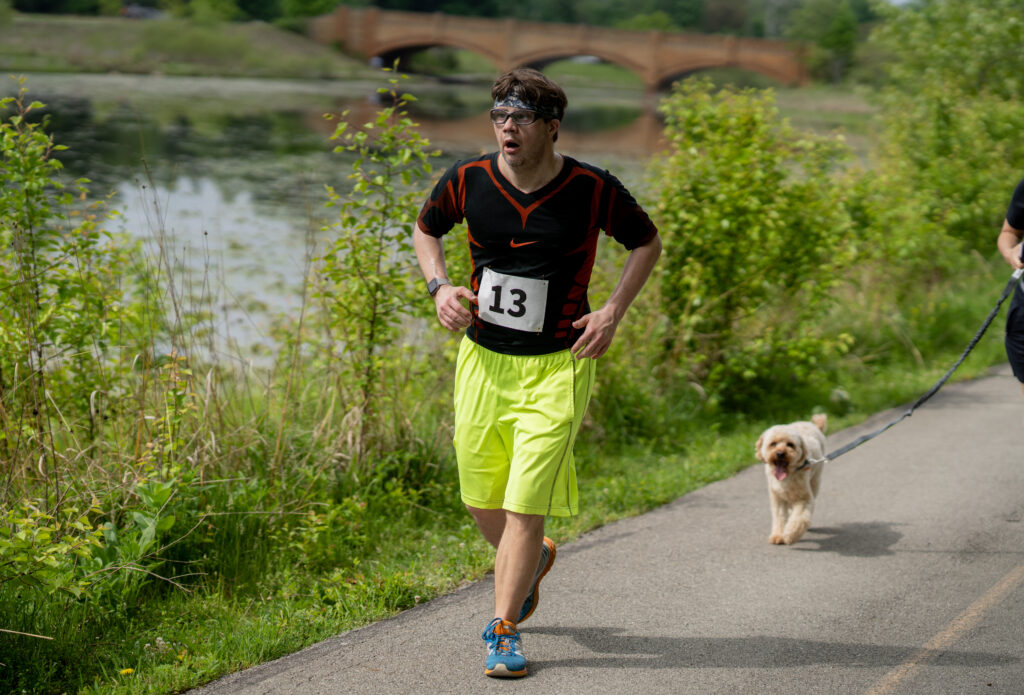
911 580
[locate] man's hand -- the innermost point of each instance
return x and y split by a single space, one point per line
450 310
599 326
598 330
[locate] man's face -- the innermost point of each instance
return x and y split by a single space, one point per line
524 138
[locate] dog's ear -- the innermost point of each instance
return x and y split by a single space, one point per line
820 421
757 449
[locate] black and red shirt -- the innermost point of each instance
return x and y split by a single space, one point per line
1015 213
550 234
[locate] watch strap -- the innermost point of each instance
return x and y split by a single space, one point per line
434 285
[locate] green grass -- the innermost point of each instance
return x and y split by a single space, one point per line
413 551
413 546
49 43
182 641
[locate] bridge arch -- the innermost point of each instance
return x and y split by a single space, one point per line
540 58
675 73
414 44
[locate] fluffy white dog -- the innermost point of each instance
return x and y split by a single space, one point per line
794 457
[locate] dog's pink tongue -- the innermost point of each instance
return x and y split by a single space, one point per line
780 472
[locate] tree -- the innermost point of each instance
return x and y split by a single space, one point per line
968 46
684 13
755 235
64 313
656 21
952 110
830 26
263 10
725 16
864 10
773 16
306 8
840 41
367 284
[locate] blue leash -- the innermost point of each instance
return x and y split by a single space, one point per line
934 389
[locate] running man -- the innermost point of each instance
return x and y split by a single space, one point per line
1009 244
522 380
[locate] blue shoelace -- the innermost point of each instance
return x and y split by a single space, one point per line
500 643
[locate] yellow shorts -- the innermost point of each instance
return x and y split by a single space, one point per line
516 418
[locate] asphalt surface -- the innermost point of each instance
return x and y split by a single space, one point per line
911 580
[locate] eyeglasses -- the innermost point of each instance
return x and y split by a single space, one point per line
523 117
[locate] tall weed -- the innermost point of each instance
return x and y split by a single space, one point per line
367 285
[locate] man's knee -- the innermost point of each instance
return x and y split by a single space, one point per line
526 523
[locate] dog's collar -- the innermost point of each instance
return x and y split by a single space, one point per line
808 462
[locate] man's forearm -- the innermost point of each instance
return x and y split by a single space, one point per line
1008 239
635 273
429 254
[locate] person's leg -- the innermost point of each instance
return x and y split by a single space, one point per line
516 453
491 523
516 563
542 477
1014 339
514 576
518 539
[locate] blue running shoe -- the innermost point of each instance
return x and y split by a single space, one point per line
547 558
504 650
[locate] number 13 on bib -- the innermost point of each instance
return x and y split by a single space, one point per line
512 301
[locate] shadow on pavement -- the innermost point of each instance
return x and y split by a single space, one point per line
870 539
612 649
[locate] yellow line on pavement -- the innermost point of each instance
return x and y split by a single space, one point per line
963 623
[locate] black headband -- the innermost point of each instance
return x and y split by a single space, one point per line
513 101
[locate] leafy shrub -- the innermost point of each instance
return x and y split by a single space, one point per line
368 285
756 235
62 304
35 549
952 116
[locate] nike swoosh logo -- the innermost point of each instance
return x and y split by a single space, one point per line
521 243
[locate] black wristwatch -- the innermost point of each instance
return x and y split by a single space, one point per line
434 285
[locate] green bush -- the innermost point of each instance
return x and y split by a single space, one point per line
368 285
952 115
756 237
62 305
39 551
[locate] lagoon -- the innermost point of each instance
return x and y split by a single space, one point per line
226 177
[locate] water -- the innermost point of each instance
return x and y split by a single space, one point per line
227 176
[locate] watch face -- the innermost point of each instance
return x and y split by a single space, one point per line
434 285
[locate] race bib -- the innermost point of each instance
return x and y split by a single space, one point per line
512 302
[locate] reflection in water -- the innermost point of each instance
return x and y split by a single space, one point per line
229 179
241 262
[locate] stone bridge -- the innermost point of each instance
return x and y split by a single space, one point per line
659 58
